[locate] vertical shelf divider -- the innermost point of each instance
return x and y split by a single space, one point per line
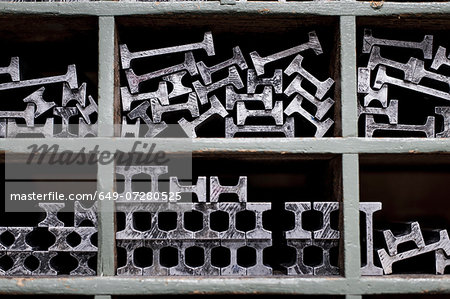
105 173
350 163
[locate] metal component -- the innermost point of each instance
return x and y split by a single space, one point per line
77 94
376 59
391 111
180 233
427 128
190 127
126 56
12 69
383 78
86 112
51 214
3 229
445 113
259 269
177 84
232 97
442 261
296 67
440 59
233 268
199 189
233 79
134 80
415 235
156 268
45 267
20 234
215 189
70 77
206 72
387 261
38 100
83 267
82 214
160 94
259 62
287 129
299 267
141 112
206 233
13 129
231 208
154 172
298 208
368 208
127 172
84 129
326 268
130 129
426 45
326 232
27 114
182 268
364 87
130 267
129 232
259 232
65 113
2 254
18 268
322 106
276 81
61 234
322 127
158 109
276 113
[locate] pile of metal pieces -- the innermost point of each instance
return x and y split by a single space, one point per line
279 102
391 253
73 104
376 100
182 237
21 250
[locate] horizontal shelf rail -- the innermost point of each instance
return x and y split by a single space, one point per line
325 8
199 285
347 145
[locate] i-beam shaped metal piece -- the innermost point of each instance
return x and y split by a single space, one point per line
390 111
178 88
415 235
215 189
427 128
134 80
368 208
387 261
70 77
126 56
27 114
426 45
65 113
13 129
440 59
199 189
287 128
296 67
243 113
259 62
237 59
